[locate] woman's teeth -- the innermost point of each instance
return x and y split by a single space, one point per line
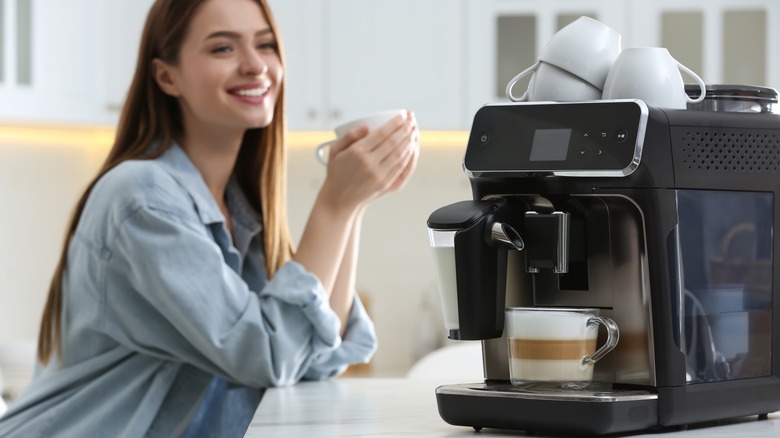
254 92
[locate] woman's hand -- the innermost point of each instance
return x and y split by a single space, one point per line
362 166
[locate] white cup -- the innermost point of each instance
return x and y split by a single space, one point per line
585 48
553 83
652 75
555 345
373 121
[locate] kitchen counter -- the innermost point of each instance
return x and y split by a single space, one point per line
363 407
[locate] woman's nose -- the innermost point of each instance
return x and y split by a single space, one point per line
253 64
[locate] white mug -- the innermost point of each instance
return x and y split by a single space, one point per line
652 75
552 83
585 48
373 121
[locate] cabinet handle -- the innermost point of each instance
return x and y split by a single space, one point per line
335 114
311 114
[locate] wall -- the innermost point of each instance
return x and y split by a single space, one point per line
41 180
39 186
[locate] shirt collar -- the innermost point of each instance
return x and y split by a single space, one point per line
184 171
181 168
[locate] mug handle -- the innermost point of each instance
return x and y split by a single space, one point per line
319 151
613 334
698 80
515 79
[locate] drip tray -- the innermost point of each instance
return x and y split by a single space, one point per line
596 392
599 409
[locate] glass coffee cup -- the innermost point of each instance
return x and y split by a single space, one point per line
556 346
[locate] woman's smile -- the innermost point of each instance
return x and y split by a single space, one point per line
253 94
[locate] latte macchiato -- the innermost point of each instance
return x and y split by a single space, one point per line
555 345
551 359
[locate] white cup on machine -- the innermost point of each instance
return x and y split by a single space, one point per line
373 121
652 75
573 65
553 83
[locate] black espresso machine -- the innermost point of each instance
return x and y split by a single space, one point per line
662 219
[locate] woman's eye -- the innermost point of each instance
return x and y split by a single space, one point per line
221 49
267 46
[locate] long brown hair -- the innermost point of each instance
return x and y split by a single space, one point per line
149 115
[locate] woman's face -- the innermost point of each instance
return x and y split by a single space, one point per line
229 72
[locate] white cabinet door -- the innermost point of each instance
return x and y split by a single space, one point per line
722 40
60 84
301 26
348 58
83 55
395 54
122 26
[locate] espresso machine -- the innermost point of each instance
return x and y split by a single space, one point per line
663 219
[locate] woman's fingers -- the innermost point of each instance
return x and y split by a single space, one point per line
365 166
347 139
410 163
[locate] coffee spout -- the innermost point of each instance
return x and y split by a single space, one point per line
508 236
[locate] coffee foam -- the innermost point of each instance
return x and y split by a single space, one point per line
549 324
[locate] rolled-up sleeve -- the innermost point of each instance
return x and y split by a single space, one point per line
358 346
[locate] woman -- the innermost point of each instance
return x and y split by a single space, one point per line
178 295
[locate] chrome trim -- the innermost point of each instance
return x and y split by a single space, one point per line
601 393
504 233
628 170
563 243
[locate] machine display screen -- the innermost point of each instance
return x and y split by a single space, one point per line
550 145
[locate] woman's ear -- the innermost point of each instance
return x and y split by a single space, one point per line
164 77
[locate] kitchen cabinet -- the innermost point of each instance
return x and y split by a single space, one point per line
82 53
348 58
301 26
443 59
122 26
722 40
60 81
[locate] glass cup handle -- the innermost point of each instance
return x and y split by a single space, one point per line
514 80
612 339
320 151
698 80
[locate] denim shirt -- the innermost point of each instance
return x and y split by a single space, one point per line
168 321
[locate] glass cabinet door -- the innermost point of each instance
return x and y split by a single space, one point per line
721 40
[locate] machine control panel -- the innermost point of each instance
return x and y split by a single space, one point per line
598 138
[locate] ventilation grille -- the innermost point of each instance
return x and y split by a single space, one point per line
731 151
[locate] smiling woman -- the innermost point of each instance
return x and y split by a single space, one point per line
179 295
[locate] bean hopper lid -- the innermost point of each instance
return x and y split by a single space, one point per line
733 98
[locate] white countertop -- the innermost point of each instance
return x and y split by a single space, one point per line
364 407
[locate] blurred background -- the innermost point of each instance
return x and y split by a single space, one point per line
65 66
